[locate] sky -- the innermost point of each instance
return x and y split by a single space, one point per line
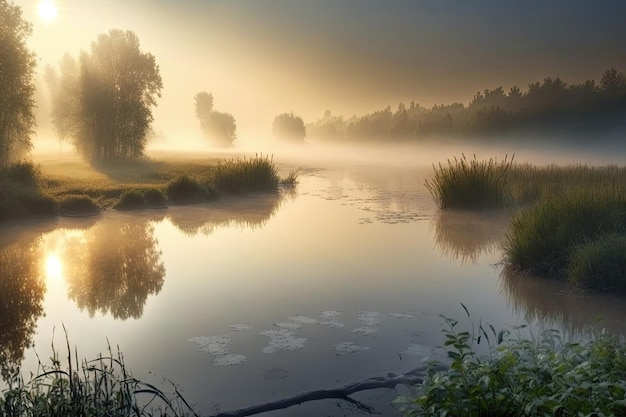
260 58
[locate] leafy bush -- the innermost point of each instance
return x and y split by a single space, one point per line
471 184
544 376
73 205
599 264
130 200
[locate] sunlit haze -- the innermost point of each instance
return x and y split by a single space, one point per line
263 57
47 10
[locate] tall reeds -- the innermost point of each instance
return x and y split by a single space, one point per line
100 387
470 183
241 175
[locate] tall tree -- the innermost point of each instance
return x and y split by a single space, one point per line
287 126
103 101
17 85
219 127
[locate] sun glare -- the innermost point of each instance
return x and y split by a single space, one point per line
47 10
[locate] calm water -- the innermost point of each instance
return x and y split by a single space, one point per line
261 297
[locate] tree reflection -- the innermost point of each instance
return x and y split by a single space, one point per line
21 295
114 267
466 235
248 212
552 304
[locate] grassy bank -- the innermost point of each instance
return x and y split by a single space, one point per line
523 376
569 222
71 186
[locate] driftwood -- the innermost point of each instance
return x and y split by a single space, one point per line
342 392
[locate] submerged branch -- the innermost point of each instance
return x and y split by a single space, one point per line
342 392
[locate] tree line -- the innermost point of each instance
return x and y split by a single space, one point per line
550 105
102 103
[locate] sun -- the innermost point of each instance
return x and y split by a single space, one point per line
47 10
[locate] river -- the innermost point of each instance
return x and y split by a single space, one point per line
259 297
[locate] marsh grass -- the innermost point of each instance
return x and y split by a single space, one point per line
100 387
542 375
78 205
545 239
470 183
599 264
242 175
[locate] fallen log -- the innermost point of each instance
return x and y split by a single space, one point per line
343 392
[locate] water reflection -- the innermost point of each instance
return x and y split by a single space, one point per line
21 295
466 235
550 303
113 267
250 212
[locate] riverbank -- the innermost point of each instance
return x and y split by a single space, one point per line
568 221
70 186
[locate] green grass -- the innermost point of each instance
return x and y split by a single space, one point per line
100 387
523 376
470 184
599 264
546 239
186 189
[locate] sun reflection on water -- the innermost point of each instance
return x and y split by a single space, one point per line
54 268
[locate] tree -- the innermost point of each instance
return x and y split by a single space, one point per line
287 126
17 85
103 101
219 127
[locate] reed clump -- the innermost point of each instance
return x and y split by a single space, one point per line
242 175
470 183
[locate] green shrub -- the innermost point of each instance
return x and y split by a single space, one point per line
599 264
246 175
471 184
543 376
184 189
130 200
73 205
155 197
541 238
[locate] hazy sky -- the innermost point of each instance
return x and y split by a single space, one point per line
262 57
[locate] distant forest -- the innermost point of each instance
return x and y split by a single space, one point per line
551 106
